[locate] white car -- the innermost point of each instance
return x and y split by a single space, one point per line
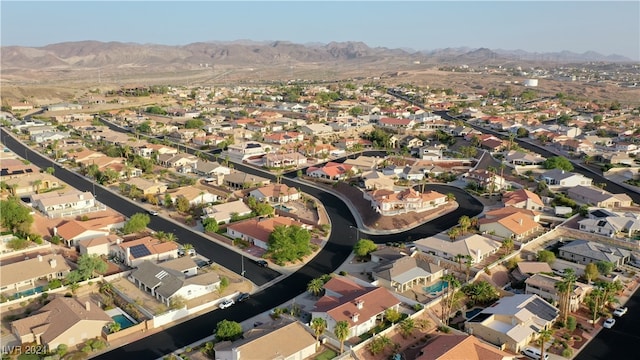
225 304
609 323
152 212
620 311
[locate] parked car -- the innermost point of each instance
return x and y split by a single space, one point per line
262 263
152 212
609 323
620 311
534 353
243 297
225 304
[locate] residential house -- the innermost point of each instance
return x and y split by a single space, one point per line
544 286
224 213
25 274
332 171
13 168
99 245
179 161
390 202
457 347
509 223
282 138
412 173
598 197
359 306
281 339
32 183
275 193
209 168
513 321
395 123
133 253
64 320
74 231
56 205
477 247
49 136
245 151
241 180
316 129
147 187
176 278
611 225
84 156
194 195
486 179
374 180
274 160
523 199
522 158
406 272
411 141
564 179
614 158
585 252
526 269
257 231
364 163
186 135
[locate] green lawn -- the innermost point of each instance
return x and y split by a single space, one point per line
326 355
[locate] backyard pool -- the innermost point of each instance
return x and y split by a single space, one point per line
435 288
283 208
123 321
471 313
35 290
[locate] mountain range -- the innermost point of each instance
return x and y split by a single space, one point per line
86 55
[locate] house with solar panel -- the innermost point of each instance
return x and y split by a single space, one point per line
174 278
513 321
133 253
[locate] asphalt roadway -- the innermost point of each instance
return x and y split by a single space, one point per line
333 254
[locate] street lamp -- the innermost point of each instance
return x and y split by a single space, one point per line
357 232
242 266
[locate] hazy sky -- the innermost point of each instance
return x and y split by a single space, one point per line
541 26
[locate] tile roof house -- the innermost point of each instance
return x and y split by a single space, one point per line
74 231
223 212
611 225
148 187
523 199
359 306
178 161
208 168
476 246
585 252
13 168
194 195
521 158
31 183
257 231
281 339
527 268
274 160
98 246
564 179
174 278
515 225
544 286
26 273
396 123
374 180
598 197
364 163
275 193
56 205
513 321
390 202
241 180
485 179
331 171
62 321
458 347
406 272
134 252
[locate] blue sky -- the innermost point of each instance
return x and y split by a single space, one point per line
542 26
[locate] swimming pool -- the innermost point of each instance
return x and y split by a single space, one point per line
283 208
471 313
435 288
35 290
123 321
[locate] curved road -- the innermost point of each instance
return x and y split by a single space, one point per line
333 254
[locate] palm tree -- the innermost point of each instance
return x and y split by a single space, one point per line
459 258
453 233
449 295
315 286
36 184
464 222
114 327
451 197
406 327
508 245
543 337
468 261
319 325
492 185
169 237
160 235
565 288
341 331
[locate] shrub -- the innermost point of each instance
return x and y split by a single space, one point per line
444 329
487 270
571 323
343 273
568 353
418 307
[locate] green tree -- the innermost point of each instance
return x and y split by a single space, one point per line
341 331
591 272
168 201
315 286
464 222
62 350
508 245
558 162
319 325
90 265
136 223
480 292
289 243
210 225
193 124
543 337
448 298
571 323
364 247
228 330
522 133
392 315
565 288
605 267
114 327
407 326
546 256
182 204
15 217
